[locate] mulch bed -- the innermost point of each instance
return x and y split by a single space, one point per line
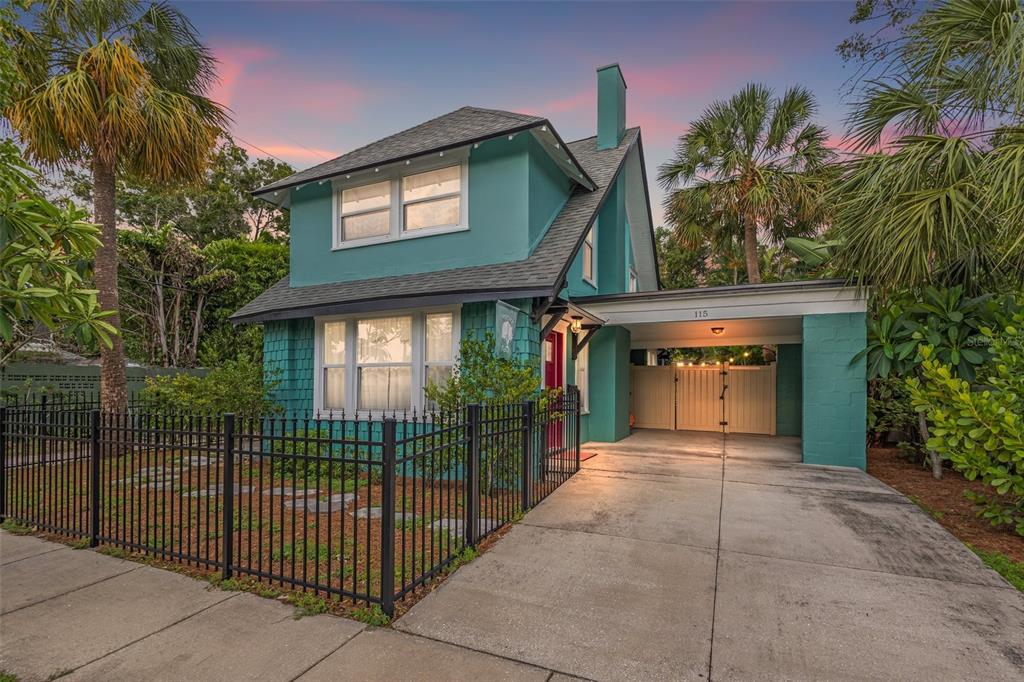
945 500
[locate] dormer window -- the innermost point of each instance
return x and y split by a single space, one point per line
366 211
432 199
415 199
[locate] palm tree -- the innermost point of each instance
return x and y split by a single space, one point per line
117 86
749 168
936 194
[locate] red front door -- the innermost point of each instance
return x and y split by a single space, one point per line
554 360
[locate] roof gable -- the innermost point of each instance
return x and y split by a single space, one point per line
455 129
541 273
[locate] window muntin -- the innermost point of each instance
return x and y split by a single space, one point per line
384 362
583 378
588 256
439 352
333 360
365 212
432 198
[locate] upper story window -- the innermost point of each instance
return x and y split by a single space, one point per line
634 283
365 211
589 256
432 199
414 200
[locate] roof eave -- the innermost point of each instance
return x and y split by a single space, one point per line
271 189
390 303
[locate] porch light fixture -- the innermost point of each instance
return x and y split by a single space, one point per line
577 324
717 331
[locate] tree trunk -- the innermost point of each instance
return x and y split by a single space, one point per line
197 327
750 250
922 426
113 379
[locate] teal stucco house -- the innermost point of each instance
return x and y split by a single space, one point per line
484 221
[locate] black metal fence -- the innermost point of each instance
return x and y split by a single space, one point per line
363 509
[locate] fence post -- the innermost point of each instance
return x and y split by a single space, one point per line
387 519
94 478
227 531
43 430
527 478
3 462
472 484
577 406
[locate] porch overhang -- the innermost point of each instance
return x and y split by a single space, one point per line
724 316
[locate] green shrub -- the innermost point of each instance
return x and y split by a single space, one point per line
483 377
981 432
889 407
237 386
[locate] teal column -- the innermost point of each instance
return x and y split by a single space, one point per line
789 390
609 385
834 390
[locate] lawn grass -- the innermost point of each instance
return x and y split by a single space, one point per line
1012 571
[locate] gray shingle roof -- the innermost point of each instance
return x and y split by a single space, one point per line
539 273
454 129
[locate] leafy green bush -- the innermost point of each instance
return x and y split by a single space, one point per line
483 377
237 386
981 432
889 407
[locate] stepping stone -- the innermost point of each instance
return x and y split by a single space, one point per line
286 491
376 512
336 503
159 485
217 489
196 460
455 526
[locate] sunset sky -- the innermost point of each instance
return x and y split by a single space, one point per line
308 81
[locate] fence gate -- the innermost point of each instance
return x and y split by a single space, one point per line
700 398
653 397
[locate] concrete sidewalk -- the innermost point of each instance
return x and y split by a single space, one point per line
87 616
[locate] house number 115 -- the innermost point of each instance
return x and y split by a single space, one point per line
701 314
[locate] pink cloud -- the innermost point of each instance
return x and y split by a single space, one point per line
296 155
233 59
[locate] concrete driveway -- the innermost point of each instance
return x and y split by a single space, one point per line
689 556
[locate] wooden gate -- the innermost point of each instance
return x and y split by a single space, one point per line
653 397
701 398
750 400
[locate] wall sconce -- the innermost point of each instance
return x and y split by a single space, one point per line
717 331
577 324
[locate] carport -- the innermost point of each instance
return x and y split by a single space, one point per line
814 390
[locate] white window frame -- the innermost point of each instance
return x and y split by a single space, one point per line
582 378
394 174
590 240
632 281
418 377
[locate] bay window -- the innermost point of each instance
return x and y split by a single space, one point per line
412 200
383 363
